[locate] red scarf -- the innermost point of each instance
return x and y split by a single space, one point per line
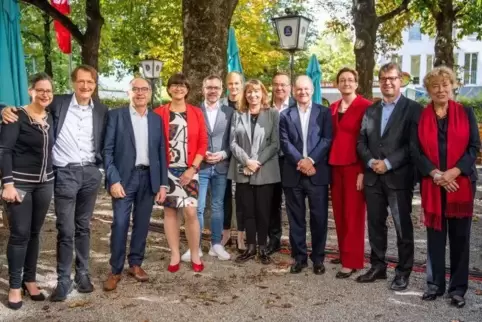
459 203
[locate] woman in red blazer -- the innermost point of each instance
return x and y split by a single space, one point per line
186 145
347 173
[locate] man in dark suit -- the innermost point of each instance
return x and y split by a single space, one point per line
281 100
384 146
79 126
136 176
305 138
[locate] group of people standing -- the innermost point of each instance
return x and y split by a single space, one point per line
371 155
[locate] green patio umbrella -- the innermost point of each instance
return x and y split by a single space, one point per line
234 62
13 75
314 71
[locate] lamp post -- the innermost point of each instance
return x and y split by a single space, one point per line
151 68
292 30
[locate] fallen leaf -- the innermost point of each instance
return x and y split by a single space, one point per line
80 303
286 306
478 292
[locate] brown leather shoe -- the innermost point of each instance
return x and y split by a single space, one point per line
138 273
111 283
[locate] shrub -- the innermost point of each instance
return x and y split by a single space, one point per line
474 102
120 102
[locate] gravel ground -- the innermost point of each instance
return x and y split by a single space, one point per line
229 292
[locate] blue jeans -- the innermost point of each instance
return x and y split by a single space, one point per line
217 183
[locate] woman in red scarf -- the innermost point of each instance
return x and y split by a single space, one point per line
347 170
447 140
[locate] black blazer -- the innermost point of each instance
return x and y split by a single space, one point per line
393 144
58 108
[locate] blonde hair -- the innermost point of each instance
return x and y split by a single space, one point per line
244 106
439 72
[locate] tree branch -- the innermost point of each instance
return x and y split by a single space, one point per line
31 34
45 6
395 12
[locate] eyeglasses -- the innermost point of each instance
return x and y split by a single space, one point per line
43 91
390 79
213 88
280 85
178 86
140 89
83 82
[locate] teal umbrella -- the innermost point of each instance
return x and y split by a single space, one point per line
314 71
234 62
13 75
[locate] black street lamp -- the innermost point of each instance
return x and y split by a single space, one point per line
151 68
292 30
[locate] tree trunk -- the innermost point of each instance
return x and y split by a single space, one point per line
90 45
444 43
205 34
47 46
366 26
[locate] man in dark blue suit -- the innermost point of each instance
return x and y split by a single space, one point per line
305 138
136 176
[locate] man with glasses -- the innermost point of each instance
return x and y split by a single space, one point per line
214 168
281 100
384 146
79 127
136 176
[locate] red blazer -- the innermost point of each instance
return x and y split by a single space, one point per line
197 135
346 132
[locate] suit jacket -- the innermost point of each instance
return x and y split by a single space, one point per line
346 131
59 107
218 137
394 144
120 149
263 146
319 141
197 137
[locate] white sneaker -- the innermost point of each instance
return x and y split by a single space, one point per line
219 252
186 257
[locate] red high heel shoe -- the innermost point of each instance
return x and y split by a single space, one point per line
197 267
173 268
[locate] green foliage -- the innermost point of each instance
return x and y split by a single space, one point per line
120 102
474 102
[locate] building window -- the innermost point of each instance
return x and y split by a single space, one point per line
415 69
429 63
414 33
470 68
397 59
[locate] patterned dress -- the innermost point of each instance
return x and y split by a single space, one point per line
177 195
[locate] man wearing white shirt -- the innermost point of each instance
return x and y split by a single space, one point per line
214 168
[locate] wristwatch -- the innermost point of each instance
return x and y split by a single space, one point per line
195 168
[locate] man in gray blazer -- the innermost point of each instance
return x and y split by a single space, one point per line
214 168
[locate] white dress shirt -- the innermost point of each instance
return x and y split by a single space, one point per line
212 113
284 106
139 124
305 121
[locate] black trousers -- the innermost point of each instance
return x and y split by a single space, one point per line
228 205
275 229
256 207
75 195
378 198
26 220
239 209
458 230
296 208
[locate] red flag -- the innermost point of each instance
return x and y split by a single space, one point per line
63 35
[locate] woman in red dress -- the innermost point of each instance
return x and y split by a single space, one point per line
347 173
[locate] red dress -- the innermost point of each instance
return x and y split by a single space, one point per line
349 207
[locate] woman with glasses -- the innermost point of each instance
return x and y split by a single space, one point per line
186 144
347 171
26 166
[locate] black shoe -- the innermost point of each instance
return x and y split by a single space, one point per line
273 248
457 301
372 275
318 269
341 274
15 306
61 291
297 267
430 296
38 298
248 254
264 257
84 284
399 283
335 261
